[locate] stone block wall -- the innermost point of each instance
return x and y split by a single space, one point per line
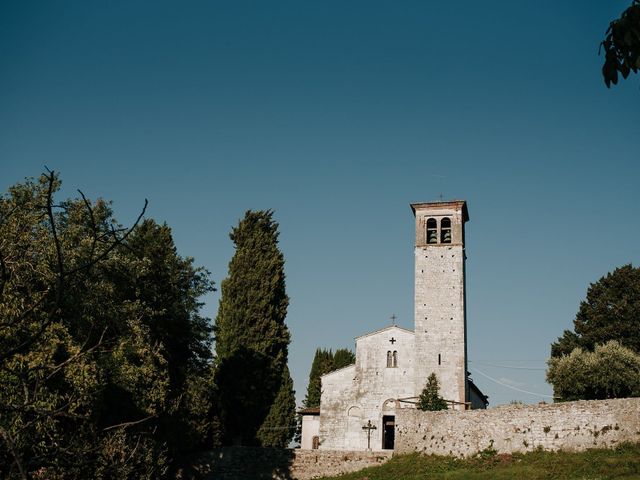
570 426
247 463
319 463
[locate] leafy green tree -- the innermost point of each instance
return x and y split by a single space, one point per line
430 399
610 371
251 335
611 311
85 374
622 45
153 274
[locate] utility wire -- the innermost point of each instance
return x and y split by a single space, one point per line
511 387
507 366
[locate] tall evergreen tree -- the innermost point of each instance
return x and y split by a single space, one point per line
343 358
278 427
322 363
251 336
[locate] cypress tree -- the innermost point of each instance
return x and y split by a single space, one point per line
325 361
343 358
251 336
322 363
280 424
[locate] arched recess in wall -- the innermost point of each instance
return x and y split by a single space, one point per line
354 421
354 411
389 405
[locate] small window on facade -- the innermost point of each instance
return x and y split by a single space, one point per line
445 230
389 359
395 358
432 231
439 359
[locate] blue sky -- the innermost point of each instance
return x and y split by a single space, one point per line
337 115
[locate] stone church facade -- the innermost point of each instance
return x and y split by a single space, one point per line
358 402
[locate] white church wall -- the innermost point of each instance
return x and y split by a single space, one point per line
310 429
349 402
337 396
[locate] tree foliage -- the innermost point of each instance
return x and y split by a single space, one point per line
430 399
622 45
252 338
90 366
325 361
343 358
611 311
280 422
610 371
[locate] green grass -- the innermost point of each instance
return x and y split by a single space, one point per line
621 463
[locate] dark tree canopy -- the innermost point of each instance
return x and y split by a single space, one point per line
622 45
430 399
611 311
252 338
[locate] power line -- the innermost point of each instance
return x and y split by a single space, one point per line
507 366
511 387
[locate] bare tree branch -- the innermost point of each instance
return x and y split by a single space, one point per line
7 439
128 424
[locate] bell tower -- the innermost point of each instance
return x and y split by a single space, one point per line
440 303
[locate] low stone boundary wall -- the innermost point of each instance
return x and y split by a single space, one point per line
247 463
519 428
310 464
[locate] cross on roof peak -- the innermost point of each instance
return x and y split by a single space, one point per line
393 319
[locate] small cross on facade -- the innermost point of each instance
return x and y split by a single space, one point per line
392 341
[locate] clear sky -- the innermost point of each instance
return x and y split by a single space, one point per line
337 115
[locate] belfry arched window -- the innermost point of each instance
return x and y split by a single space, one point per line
445 230
394 361
389 359
432 230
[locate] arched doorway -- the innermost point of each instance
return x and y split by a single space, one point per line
388 424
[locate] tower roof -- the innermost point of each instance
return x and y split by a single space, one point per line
449 205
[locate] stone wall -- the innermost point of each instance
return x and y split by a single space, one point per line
512 428
247 463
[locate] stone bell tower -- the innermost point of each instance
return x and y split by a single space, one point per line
440 304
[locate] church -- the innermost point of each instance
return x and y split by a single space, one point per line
358 402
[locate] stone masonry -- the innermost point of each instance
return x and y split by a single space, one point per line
572 426
248 463
366 391
392 364
439 305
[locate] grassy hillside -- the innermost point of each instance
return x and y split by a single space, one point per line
622 463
